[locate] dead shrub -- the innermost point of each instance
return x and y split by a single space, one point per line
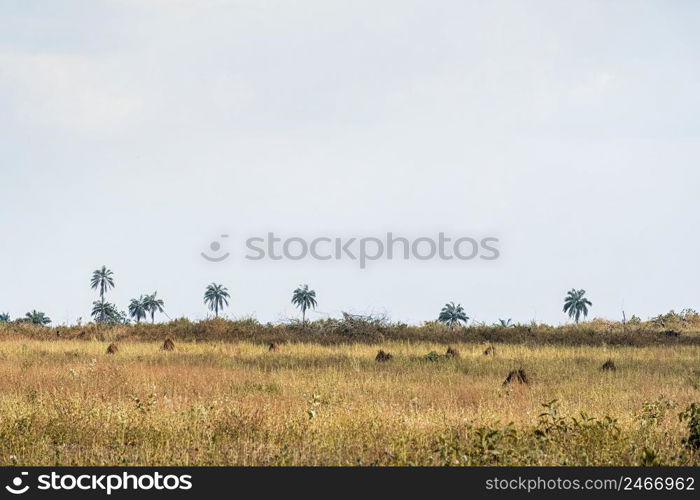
168 345
383 356
609 366
490 351
112 348
272 347
518 375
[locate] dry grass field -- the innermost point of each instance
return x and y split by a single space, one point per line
68 402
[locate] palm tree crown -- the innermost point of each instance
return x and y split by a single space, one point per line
102 280
137 309
452 315
216 296
505 323
304 299
4 317
576 304
37 317
153 305
105 312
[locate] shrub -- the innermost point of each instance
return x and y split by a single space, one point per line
692 415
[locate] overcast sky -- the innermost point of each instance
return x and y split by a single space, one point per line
133 133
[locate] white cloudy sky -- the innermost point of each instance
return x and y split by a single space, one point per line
132 133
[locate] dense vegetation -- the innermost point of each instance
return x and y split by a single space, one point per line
668 329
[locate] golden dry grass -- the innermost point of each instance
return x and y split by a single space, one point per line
67 402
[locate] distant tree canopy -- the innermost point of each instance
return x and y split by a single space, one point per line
575 304
37 317
452 315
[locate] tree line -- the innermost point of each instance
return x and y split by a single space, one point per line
216 298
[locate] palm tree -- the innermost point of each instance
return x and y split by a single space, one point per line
505 323
102 280
137 309
216 296
104 311
576 304
37 317
304 299
153 305
5 318
452 315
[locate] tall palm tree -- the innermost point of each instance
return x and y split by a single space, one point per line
304 299
452 315
102 280
216 296
105 312
576 304
4 318
153 304
37 317
137 309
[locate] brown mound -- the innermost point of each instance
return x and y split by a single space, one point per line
272 347
168 345
112 348
490 351
609 365
452 353
383 356
518 375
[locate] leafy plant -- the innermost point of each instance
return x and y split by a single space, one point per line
37 317
452 315
692 415
137 309
649 458
153 304
102 280
106 312
576 304
634 320
304 299
653 412
433 356
313 405
216 296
